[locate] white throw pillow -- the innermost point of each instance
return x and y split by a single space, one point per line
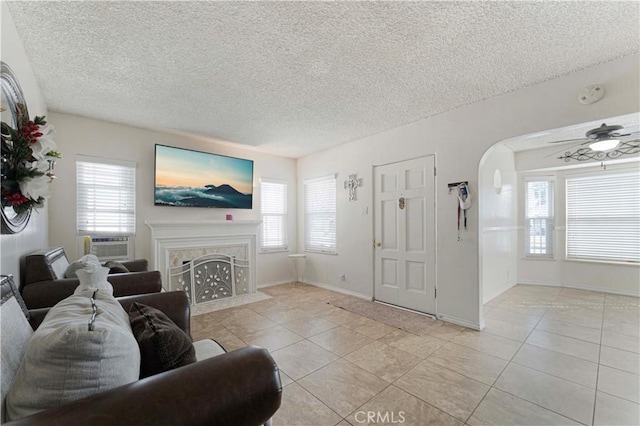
64 361
15 335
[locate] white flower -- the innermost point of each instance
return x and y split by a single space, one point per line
45 143
39 186
41 166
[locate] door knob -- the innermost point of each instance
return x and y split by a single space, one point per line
377 243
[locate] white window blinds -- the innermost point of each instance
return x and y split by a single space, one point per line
603 217
539 217
320 214
273 210
105 196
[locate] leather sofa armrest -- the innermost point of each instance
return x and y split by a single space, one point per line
237 388
45 294
131 283
136 265
174 304
38 265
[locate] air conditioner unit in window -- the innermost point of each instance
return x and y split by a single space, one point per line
110 248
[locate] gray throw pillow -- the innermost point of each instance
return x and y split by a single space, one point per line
65 361
163 345
116 267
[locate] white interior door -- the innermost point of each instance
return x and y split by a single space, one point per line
404 215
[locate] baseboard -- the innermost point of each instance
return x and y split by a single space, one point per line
338 290
432 316
447 318
321 285
581 287
458 321
271 284
499 292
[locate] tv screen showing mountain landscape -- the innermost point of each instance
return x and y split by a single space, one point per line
186 178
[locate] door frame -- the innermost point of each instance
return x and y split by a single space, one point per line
435 229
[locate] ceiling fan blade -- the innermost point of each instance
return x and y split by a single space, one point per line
629 135
572 140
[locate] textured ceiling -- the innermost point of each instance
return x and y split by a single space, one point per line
293 78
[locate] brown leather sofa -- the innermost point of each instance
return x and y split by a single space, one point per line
45 285
237 388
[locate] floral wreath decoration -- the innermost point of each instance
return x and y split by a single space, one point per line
28 159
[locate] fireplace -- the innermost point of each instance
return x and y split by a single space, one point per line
210 277
210 260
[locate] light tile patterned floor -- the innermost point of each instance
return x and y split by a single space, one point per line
548 356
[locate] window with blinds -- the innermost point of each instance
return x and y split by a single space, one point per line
273 211
603 217
105 196
539 217
320 214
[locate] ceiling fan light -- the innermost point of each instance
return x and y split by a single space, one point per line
604 145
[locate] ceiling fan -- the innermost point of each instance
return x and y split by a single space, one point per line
603 138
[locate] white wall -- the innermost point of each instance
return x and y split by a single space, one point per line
79 135
498 222
458 139
35 236
610 277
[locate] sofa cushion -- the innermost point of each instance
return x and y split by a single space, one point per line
66 361
163 345
207 348
116 267
15 335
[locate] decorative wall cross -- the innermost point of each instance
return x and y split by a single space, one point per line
352 183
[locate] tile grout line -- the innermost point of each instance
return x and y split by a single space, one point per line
570 337
492 386
595 394
620 397
319 400
545 408
537 405
501 372
307 390
367 401
346 360
558 352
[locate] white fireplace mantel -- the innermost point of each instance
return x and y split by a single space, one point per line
175 234
164 228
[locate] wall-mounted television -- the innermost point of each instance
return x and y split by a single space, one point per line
187 178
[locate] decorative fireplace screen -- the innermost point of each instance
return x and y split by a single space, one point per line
211 277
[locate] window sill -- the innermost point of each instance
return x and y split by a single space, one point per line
270 251
608 262
330 253
545 259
